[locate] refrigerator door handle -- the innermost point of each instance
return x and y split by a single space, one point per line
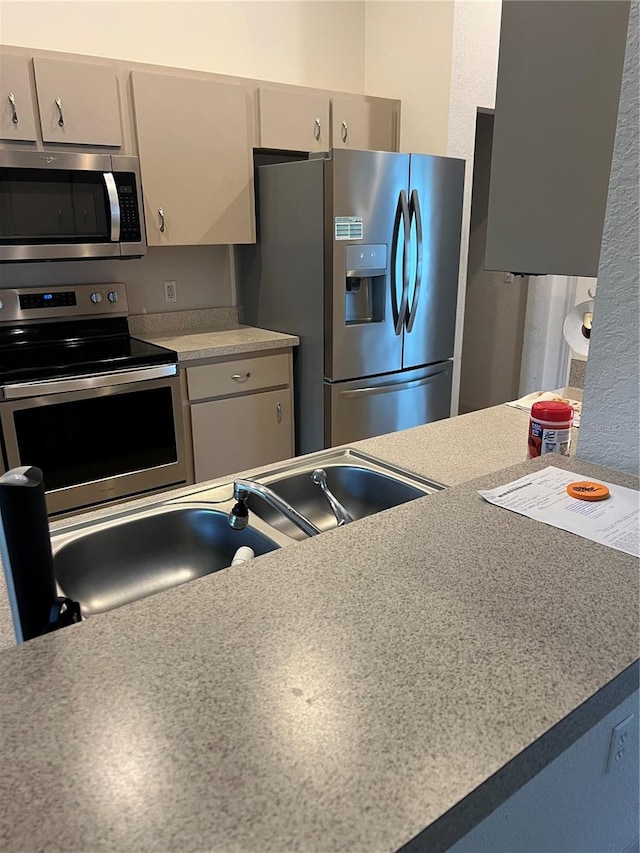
414 210
402 216
393 386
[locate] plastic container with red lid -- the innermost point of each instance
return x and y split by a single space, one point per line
550 428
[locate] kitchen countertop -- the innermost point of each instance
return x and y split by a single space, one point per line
387 679
236 340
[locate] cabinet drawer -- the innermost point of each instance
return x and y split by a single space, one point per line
237 377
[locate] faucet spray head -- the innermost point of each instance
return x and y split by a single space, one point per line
239 516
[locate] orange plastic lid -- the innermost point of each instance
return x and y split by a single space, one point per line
585 490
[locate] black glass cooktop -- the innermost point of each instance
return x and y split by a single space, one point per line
38 351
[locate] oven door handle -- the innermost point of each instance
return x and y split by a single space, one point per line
83 383
114 205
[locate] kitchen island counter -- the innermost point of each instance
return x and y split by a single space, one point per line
394 678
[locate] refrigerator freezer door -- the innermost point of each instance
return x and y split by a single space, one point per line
436 192
365 408
366 185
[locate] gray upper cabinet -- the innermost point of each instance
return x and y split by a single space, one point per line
559 76
293 121
17 119
78 102
194 142
364 123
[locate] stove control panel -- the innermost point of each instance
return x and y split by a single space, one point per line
47 300
60 302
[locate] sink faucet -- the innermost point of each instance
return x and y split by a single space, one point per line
239 515
319 477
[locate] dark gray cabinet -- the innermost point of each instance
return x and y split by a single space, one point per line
559 76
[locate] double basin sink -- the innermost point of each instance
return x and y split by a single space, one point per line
136 553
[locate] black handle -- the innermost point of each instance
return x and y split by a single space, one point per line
402 217
27 557
414 211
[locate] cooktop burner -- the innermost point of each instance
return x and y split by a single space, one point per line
61 347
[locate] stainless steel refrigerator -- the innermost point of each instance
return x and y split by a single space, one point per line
358 255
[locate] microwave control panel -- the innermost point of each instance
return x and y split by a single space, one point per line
129 213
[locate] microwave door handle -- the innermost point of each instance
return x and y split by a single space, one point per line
414 206
114 205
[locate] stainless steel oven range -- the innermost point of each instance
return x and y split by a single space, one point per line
97 410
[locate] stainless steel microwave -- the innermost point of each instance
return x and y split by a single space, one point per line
70 206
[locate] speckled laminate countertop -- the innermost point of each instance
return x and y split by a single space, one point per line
236 340
396 677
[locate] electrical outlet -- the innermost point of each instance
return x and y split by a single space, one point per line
620 745
170 291
508 278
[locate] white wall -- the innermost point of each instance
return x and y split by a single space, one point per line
408 56
474 69
318 44
609 426
545 353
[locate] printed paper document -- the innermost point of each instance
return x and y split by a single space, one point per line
542 496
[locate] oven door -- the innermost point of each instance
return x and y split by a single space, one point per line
99 443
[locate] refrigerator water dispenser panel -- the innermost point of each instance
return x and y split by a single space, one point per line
366 260
365 284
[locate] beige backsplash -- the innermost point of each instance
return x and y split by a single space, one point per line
170 322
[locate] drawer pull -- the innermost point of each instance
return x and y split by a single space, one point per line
241 377
278 413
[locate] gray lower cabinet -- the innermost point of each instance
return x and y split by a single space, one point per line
559 77
241 414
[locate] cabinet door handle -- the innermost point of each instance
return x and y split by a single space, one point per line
317 129
345 131
161 215
278 413
241 377
12 101
60 115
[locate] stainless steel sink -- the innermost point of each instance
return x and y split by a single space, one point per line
138 552
110 564
362 484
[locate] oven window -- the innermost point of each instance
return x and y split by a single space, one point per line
58 206
97 437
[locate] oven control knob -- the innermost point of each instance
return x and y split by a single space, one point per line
112 296
96 297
